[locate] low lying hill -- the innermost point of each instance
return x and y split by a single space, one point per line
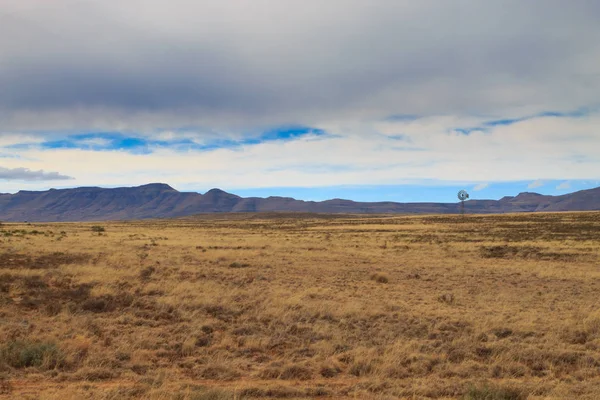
159 200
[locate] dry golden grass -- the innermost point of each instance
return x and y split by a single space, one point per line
284 306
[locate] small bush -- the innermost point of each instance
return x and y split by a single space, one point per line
328 371
52 309
296 372
380 278
212 394
203 341
447 298
361 368
502 333
98 229
270 373
146 273
238 265
494 393
23 354
219 372
95 374
279 392
98 304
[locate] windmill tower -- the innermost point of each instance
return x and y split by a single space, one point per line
462 196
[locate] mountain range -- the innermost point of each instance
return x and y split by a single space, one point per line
159 200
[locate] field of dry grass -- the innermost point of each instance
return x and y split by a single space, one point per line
283 306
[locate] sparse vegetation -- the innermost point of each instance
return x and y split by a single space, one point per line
23 354
285 306
98 229
488 392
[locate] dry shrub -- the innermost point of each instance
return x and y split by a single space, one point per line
509 369
218 372
447 298
188 346
238 265
140 369
146 273
591 324
380 278
582 332
50 260
329 370
278 392
76 350
52 309
397 372
95 374
298 372
211 394
502 333
107 302
203 340
137 391
524 252
271 372
362 367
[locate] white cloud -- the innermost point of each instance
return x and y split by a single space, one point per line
564 186
481 186
528 150
535 184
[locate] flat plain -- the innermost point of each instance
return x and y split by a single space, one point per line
266 306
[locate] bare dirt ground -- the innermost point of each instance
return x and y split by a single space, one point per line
302 306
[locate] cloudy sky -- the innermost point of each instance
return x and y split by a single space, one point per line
371 100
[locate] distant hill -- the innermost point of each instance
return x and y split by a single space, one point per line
158 200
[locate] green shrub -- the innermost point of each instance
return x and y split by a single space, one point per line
98 228
487 392
23 354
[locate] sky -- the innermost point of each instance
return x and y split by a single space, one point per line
391 100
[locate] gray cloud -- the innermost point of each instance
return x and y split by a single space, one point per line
25 174
147 64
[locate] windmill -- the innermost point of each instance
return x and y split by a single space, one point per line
462 196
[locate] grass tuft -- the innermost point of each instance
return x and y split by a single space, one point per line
487 392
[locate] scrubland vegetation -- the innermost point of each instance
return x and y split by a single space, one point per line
284 306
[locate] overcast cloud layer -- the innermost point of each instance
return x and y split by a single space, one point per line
401 89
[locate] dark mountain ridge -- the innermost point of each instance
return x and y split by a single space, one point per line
159 200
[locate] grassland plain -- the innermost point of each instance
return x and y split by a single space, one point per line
302 306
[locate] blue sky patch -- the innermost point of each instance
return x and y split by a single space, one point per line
486 125
115 141
504 122
424 191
